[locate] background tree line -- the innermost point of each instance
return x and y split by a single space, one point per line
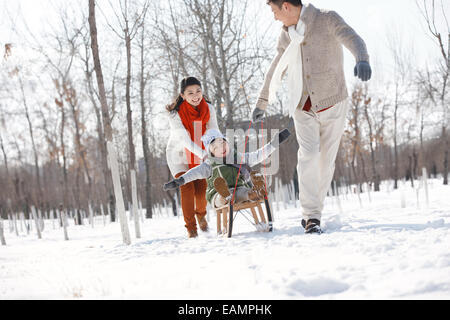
56 118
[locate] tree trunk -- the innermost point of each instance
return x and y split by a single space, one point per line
9 186
99 73
81 153
410 170
171 198
101 140
107 124
375 176
118 192
445 173
363 169
132 164
2 233
144 133
135 204
395 148
36 158
65 181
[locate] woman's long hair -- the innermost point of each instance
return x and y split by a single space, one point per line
186 82
175 106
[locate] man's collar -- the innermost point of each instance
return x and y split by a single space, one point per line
305 15
300 19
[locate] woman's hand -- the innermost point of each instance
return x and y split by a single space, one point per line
174 184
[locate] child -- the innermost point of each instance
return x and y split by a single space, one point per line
221 176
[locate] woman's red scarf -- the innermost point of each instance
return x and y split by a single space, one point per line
188 115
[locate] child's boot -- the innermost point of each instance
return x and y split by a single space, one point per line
221 187
253 195
258 184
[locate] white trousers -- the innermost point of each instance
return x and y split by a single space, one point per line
318 136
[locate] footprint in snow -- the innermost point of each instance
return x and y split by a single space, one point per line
317 287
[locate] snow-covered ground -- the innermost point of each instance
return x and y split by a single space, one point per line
379 251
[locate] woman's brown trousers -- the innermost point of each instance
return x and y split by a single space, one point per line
193 201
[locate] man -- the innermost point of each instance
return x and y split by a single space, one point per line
310 48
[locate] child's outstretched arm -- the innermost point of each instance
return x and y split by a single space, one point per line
202 171
253 158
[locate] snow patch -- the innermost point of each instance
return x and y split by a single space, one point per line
436 223
318 287
332 223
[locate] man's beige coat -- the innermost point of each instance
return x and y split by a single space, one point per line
323 58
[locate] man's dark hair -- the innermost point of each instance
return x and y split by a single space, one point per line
279 3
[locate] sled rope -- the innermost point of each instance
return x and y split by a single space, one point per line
264 161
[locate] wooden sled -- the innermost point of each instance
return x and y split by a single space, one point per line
227 214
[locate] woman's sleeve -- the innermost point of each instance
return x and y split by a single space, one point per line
180 132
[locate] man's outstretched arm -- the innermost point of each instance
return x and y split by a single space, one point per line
353 42
263 99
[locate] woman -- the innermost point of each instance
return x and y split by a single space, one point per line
189 118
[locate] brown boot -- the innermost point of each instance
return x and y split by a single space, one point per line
203 223
259 184
192 234
253 195
312 226
221 187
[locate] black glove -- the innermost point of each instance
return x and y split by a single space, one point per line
174 184
284 135
281 136
363 71
257 115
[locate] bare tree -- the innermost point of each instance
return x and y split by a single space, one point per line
215 44
129 22
85 57
368 104
402 81
7 186
437 86
33 143
107 124
354 134
61 64
144 78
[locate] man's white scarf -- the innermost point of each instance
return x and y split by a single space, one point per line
292 60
